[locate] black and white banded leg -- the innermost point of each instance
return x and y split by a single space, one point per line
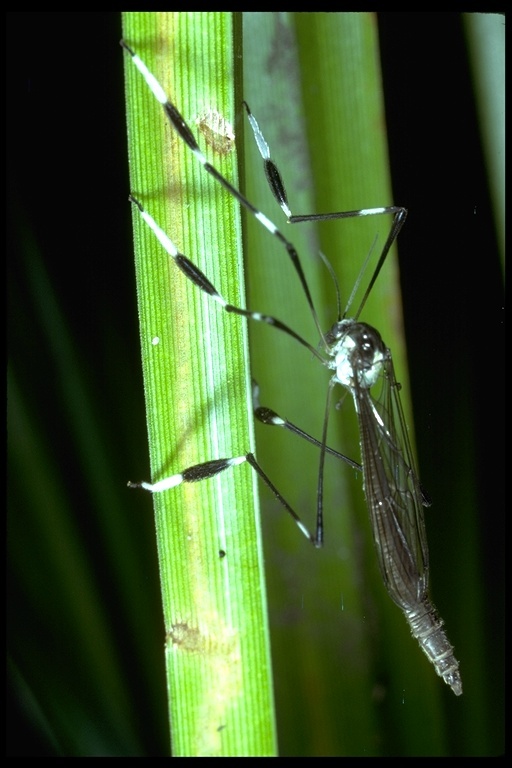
277 187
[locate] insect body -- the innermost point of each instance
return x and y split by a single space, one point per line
393 493
360 362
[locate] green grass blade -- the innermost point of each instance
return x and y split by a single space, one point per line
324 120
485 34
197 395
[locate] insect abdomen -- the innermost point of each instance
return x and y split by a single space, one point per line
427 627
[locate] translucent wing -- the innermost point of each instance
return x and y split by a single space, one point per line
395 503
393 492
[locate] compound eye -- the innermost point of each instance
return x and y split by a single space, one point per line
367 347
367 344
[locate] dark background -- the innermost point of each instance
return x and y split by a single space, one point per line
67 188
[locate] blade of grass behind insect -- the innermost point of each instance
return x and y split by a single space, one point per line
196 383
486 41
356 175
337 638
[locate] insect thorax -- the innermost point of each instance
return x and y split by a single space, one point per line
359 353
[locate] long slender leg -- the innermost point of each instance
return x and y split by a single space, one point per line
212 468
277 187
199 279
271 418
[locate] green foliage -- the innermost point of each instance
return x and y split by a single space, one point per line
196 377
